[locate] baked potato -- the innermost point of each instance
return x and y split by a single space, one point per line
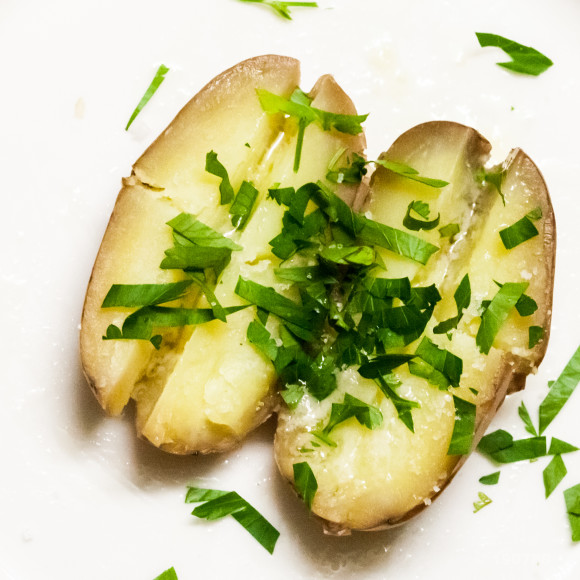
374 478
205 387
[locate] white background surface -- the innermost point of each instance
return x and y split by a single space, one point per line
80 497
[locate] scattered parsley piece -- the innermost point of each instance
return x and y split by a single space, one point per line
496 179
525 59
219 504
490 479
195 258
408 172
518 233
367 415
136 295
525 417
298 106
383 365
196 232
402 406
353 173
502 447
558 447
560 391
449 230
242 207
167 575
422 209
447 365
214 166
497 312
283 8
305 482
572 498
292 395
463 428
483 501
462 298
155 83
553 474
140 324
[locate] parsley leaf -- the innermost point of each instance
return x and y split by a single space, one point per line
305 482
446 368
367 415
535 335
169 574
135 295
463 428
525 59
560 391
449 231
196 232
195 258
558 447
282 8
353 173
414 224
214 166
483 501
241 209
553 474
518 233
219 504
408 172
462 298
572 498
525 417
502 447
490 479
155 83
402 406
497 312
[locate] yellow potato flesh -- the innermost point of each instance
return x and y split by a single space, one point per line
374 478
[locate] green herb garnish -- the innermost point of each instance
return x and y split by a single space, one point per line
463 428
462 298
305 482
409 173
572 498
421 208
136 295
155 83
243 204
214 166
497 312
442 367
502 447
449 230
196 232
403 407
558 447
518 233
491 479
367 415
560 391
167 575
283 8
525 59
219 504
483 501
553 474
525 417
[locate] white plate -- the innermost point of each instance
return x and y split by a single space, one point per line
81 497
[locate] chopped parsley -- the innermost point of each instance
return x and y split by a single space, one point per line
463 428
305 482
497 312
553 474
503 448
525 417
518 233
572 498
484 500
155 83
169 574
218 504
560 391
283 8
462 298
404 170
214 166
449 231
135 295
420 208
491 479
525 59
241 208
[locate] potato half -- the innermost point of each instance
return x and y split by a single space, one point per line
206 387
374 479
